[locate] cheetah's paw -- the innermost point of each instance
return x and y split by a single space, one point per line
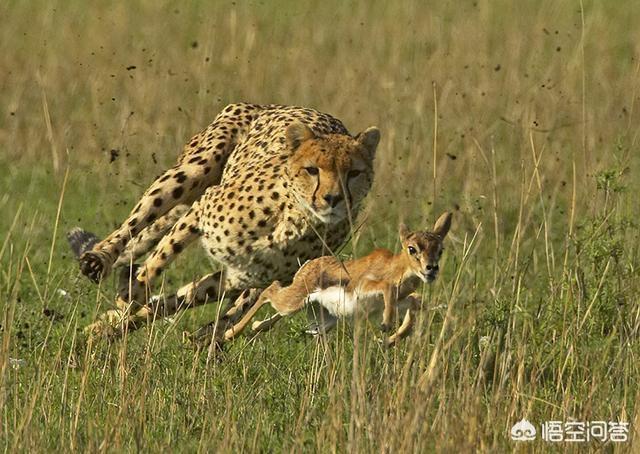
102 329
94 265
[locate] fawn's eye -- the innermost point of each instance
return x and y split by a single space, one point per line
311 170
412 250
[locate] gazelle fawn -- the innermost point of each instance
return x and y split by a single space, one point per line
378 279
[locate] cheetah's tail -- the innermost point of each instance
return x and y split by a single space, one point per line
81 241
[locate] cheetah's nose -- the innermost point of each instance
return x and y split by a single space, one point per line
333 200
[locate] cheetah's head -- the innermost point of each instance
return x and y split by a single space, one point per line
330 175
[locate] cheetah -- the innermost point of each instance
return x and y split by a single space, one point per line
378 279
264 187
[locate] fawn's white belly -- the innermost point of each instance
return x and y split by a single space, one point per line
338 301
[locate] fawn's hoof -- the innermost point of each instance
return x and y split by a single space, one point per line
387 341
94 266
313 330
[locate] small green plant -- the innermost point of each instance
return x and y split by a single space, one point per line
610 181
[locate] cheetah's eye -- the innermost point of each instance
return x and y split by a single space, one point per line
353 173
311 170
412 250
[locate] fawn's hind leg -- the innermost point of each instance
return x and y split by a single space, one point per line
265 325
321 321
264 298
285 300
214 331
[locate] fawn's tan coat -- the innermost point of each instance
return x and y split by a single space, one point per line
342 287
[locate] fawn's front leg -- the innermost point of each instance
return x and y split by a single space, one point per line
410 304
403 330
389 295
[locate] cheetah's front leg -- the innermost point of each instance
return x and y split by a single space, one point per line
200 166
133 310
182 184
150 236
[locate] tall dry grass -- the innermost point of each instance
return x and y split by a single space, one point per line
522 117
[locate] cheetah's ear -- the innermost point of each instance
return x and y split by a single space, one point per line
297 133
403 231
443 224
369 139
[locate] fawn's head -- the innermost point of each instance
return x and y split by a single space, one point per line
424 248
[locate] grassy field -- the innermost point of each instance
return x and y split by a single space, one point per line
521 117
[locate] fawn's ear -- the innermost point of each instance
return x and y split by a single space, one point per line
404 231
297 133
369 139
443 224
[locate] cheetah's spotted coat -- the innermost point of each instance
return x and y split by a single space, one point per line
265 188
